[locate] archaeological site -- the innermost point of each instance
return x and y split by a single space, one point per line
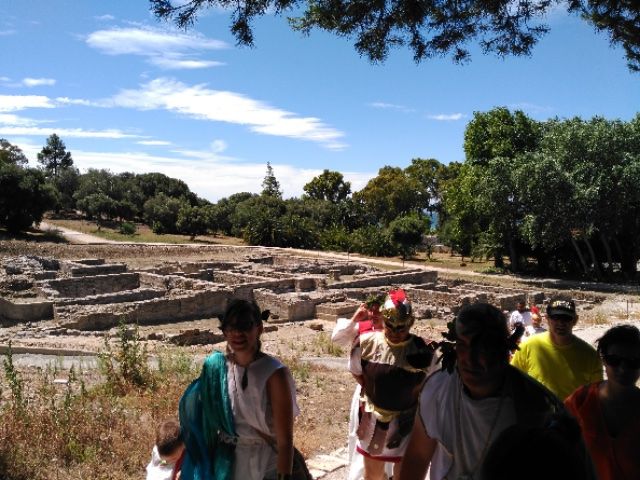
45 297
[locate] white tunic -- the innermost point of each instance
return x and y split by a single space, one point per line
254 457
442 404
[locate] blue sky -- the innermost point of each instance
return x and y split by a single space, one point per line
128 93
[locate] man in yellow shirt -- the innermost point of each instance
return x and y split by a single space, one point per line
557 358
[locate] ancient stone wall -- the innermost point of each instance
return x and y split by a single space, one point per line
285 307
136 295
81 270
84 286
200 304
388 279
31 311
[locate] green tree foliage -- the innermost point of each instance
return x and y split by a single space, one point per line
222 213
152 184
460 225
194 220
24 197
54 156
161 213
429 173
390 194
564 198
258 218
270 185
329 186
98 206
500 133
406 233
66 184
336 238
429 29
10 153
372 240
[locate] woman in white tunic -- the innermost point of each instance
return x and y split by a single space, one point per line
238 416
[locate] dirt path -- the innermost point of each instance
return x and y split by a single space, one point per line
74 237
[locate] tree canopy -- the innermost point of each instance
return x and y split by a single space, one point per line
328 186
54 156
10 153
429 28
270 185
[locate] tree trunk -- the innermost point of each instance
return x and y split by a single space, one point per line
596 264
607 249
514 258
616 243
580 257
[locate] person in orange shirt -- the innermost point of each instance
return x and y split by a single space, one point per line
609 411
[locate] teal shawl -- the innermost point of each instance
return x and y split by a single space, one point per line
205 410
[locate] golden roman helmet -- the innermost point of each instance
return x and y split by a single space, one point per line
396 309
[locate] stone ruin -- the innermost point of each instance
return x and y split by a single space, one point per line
92 295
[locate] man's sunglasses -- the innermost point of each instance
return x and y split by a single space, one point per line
616 360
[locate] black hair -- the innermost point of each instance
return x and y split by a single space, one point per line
241 309
625 335
561 454
168 436
489 327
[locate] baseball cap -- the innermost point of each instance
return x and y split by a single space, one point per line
561 307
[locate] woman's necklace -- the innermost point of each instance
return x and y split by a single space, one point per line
244 382
467 472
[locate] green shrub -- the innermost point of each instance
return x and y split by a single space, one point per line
127 228
128 366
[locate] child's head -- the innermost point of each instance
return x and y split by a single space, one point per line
169 440
536 320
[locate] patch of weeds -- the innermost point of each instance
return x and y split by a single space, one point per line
300 370
492 271
16 384
128 366
323 344
176 365
598 318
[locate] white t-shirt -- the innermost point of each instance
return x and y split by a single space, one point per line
443 405
524 318
157 469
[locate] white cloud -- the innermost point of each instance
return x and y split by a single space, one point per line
105 18
15 120
79 101
164 49
36 82
12 103
218 146
154 143
66 132
182 64
223 106
391 106
447 117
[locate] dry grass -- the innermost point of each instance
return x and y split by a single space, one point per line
100 424
82 428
